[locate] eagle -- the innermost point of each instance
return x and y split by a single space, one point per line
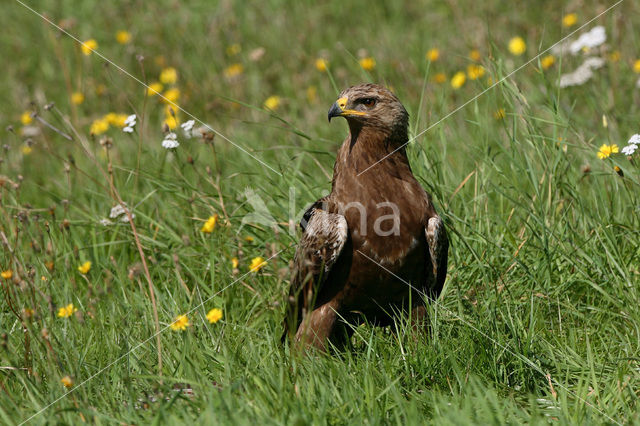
374 246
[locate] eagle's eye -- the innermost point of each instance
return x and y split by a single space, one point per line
368 102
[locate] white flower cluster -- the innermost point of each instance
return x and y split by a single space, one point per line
592 38
170 141
187 127
582 74
117 212
633 144
129 123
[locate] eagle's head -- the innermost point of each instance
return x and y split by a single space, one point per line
371 105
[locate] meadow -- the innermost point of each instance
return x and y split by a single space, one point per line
144 266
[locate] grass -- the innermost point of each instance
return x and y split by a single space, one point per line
538 321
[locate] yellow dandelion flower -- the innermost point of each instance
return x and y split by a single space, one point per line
606 150
433 54
210 224
171 95
77 98
636 66
154 89
99 126
180 323
67 311
171 122
85 267
312 94
88 46
6 274
234 49
517 46
499 114
475 55
322 64
26 150
475 71
569 20
123 37
547 62
457 81
25 118
272 102
614 56
119 120
440 78
257 263
214 315
168 76
234 262
248 239
368 63
233 70
66 381
101 89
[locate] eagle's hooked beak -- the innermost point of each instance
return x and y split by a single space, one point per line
339 109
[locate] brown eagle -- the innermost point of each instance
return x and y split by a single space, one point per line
372 236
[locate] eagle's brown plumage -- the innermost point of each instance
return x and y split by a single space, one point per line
353 253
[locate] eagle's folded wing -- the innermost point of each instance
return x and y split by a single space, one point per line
438 243
322 242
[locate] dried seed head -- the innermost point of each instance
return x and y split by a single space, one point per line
106 142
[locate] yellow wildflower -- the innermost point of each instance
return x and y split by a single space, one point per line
89 46
272 102
368 63
77 98
154 88
85 267
440 77
67 311
614 56
233 70
25 118
457 81
475 71
257 263
171 122
636 66
180 323
433 54
6 274
569 20
171 95
234 262
28 312
499 114
312 94
101 89
169 76
123 37
234 49
475 55
99 126
517 46
66 381
606 150
26 150
119 120
210 224
248 239
214 315
547 62
322 64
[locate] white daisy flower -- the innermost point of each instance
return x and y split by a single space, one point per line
170 141
188 127
629 149
128 129
593 38
634 140
131 120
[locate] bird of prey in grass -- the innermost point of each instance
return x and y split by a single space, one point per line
375 245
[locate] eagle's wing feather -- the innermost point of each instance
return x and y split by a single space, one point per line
438 243
321 244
